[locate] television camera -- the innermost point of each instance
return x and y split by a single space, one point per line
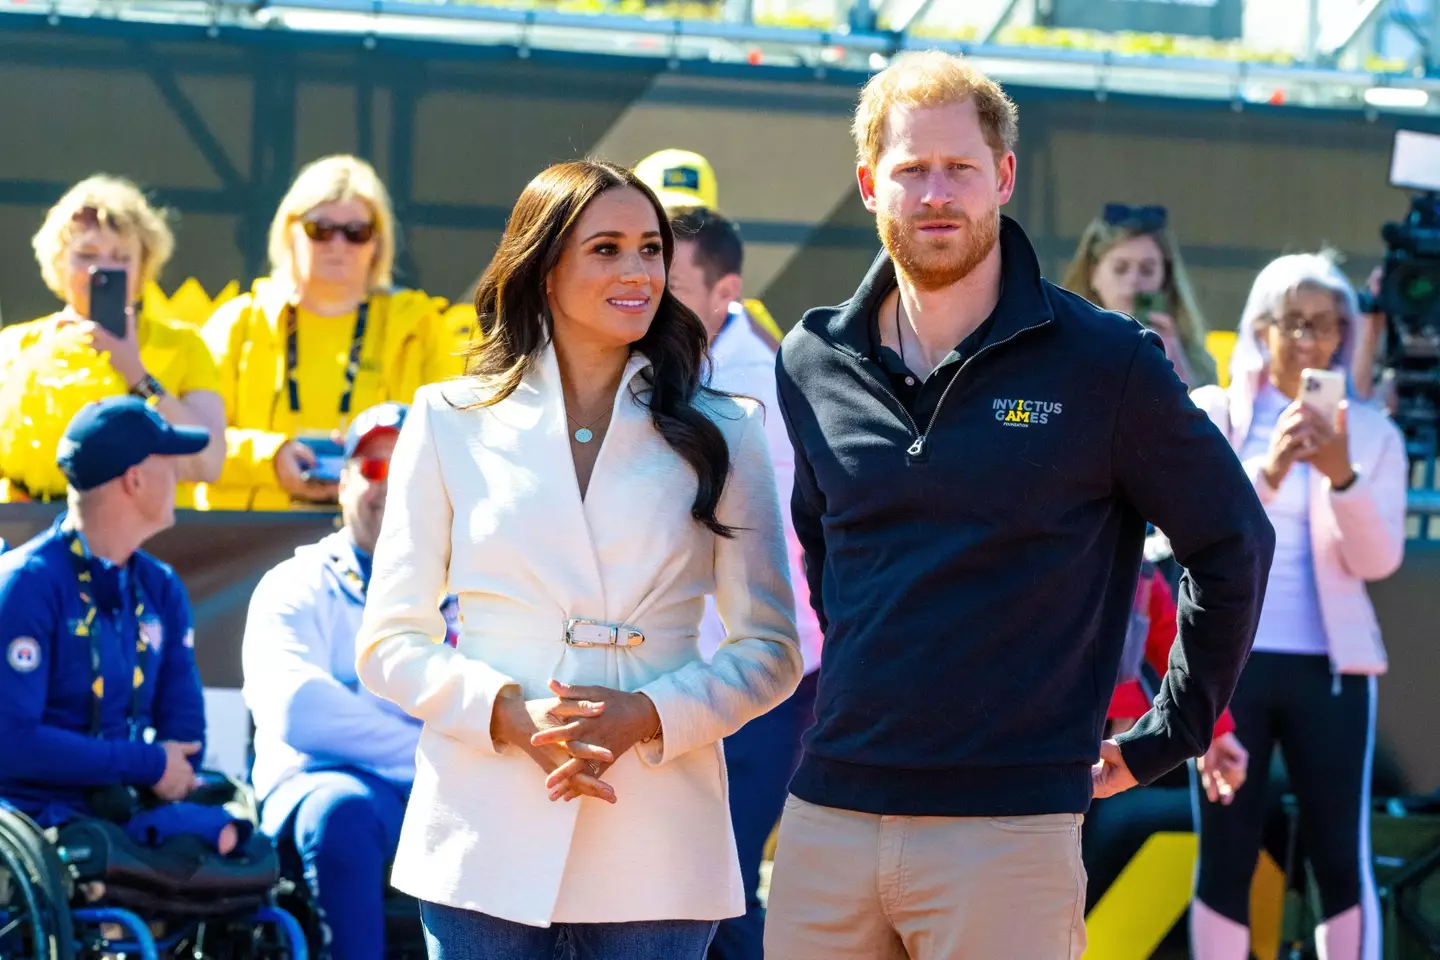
1409 295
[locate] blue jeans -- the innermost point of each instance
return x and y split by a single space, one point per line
454 934
760 759
339 829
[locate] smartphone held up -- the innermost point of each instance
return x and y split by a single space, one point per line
108 295
1146 303
1322 391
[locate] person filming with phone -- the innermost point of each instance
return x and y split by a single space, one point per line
1128 261
98 247
1331 472
325 336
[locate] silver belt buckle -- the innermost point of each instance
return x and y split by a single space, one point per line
593 633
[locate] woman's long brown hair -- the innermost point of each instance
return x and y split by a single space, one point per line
516 325
1180 300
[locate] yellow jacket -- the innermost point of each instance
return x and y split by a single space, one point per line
410 340
48 372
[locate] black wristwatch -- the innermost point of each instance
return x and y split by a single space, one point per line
148 388
1341 488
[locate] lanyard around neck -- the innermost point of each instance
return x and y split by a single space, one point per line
88 627
352 364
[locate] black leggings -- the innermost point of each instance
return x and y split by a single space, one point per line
1326 734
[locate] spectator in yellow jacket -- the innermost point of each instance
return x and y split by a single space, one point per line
320 339
51 367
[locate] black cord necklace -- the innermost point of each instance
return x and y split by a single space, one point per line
899 339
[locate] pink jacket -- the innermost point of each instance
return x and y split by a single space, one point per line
1355 536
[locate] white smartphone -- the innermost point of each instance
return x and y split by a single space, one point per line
1322 391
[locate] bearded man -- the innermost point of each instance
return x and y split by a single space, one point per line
977 453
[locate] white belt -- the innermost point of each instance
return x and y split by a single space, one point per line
593 633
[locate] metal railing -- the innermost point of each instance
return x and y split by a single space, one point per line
1338 64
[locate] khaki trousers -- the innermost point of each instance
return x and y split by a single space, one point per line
859 886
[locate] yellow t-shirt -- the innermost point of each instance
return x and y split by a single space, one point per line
69 373
322 355
410 339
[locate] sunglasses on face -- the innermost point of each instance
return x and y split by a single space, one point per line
1147 219
373 469
356 231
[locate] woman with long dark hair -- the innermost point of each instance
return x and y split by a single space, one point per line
581 493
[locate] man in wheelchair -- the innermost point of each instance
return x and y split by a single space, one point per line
101 707
333 763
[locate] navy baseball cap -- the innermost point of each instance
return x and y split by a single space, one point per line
386 417
110 436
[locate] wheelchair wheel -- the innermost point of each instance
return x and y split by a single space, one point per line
35 917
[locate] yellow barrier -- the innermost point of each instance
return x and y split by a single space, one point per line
1152 892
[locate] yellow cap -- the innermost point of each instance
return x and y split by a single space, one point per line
680 178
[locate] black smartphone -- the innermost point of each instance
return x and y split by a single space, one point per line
108 289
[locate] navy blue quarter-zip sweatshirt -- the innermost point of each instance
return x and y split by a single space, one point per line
974 565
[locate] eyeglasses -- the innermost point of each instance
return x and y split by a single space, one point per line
373 469
1316 328
356 231
1148 219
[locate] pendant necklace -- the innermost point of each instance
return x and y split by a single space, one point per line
583 433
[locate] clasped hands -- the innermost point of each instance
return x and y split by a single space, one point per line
576 735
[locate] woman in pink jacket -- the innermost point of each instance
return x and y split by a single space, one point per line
1335 492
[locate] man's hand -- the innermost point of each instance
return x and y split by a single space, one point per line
1223 768
1110 776
179 777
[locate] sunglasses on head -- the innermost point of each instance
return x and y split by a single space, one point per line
356 231
1148 219
373 469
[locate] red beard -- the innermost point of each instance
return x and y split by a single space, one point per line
934 265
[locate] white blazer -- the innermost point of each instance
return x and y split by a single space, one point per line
484 502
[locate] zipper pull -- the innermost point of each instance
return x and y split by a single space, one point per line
917 452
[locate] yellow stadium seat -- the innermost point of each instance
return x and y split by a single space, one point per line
1220 344
189 304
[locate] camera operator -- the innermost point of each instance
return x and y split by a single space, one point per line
98 643
1129 262
1335 493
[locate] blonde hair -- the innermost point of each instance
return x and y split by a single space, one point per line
932 78
1181 303
335 179
117 205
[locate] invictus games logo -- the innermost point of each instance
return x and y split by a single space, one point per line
1022 413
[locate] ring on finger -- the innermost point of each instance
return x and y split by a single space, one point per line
591 769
